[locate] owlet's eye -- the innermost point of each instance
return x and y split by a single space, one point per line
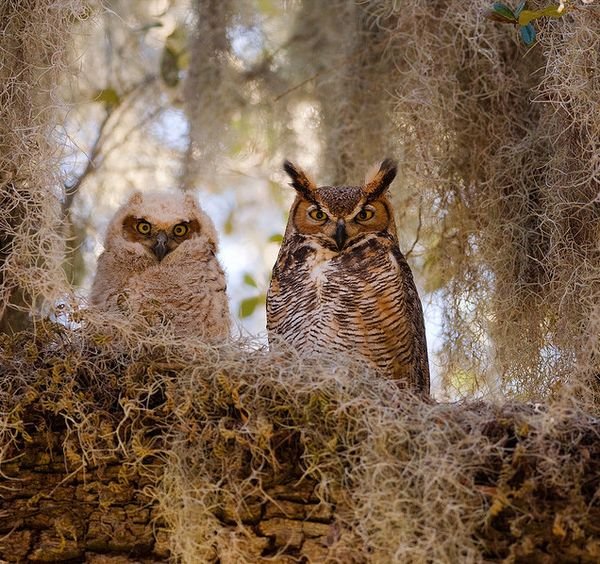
365 214
180 230
143 227
317 214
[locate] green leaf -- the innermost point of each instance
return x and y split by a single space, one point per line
109 97
276 238
267 7
175 56
169 68
501 13
228 225
527 16
183 60
249 280
177 40
527 34
249 305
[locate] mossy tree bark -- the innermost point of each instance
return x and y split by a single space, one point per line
34 35
52 509
55 508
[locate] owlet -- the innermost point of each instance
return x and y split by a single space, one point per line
159 265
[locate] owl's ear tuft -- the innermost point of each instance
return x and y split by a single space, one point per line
379 178
300 181
135 198
190 201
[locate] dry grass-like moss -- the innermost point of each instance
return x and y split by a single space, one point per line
498 146
217 430
34 36
352 83
508 149
230 88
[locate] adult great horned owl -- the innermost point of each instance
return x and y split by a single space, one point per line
159 262
340 282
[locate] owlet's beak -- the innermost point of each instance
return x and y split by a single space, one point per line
340 234
160 248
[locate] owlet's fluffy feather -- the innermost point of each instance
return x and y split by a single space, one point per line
341 284
159 264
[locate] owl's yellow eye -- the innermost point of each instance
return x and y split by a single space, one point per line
365 214
143 227
180 230
317 214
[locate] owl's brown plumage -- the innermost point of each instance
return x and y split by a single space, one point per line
340 282
159 263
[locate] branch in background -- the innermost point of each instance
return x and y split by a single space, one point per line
149 118
117 106
297 86
418 234
72 188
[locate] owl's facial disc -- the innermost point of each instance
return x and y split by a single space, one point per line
340 231
350 226
159 238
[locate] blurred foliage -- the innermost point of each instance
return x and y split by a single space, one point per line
108 97
175 57
249 305
249 280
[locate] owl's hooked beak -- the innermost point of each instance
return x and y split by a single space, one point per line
160 248
340 234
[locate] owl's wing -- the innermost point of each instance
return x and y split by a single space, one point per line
286 288
275 306
415 312
117 267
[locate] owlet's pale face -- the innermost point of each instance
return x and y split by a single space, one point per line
159 237
160 267
341 285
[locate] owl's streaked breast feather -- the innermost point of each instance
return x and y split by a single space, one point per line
337 304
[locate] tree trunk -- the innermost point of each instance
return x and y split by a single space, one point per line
53 510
